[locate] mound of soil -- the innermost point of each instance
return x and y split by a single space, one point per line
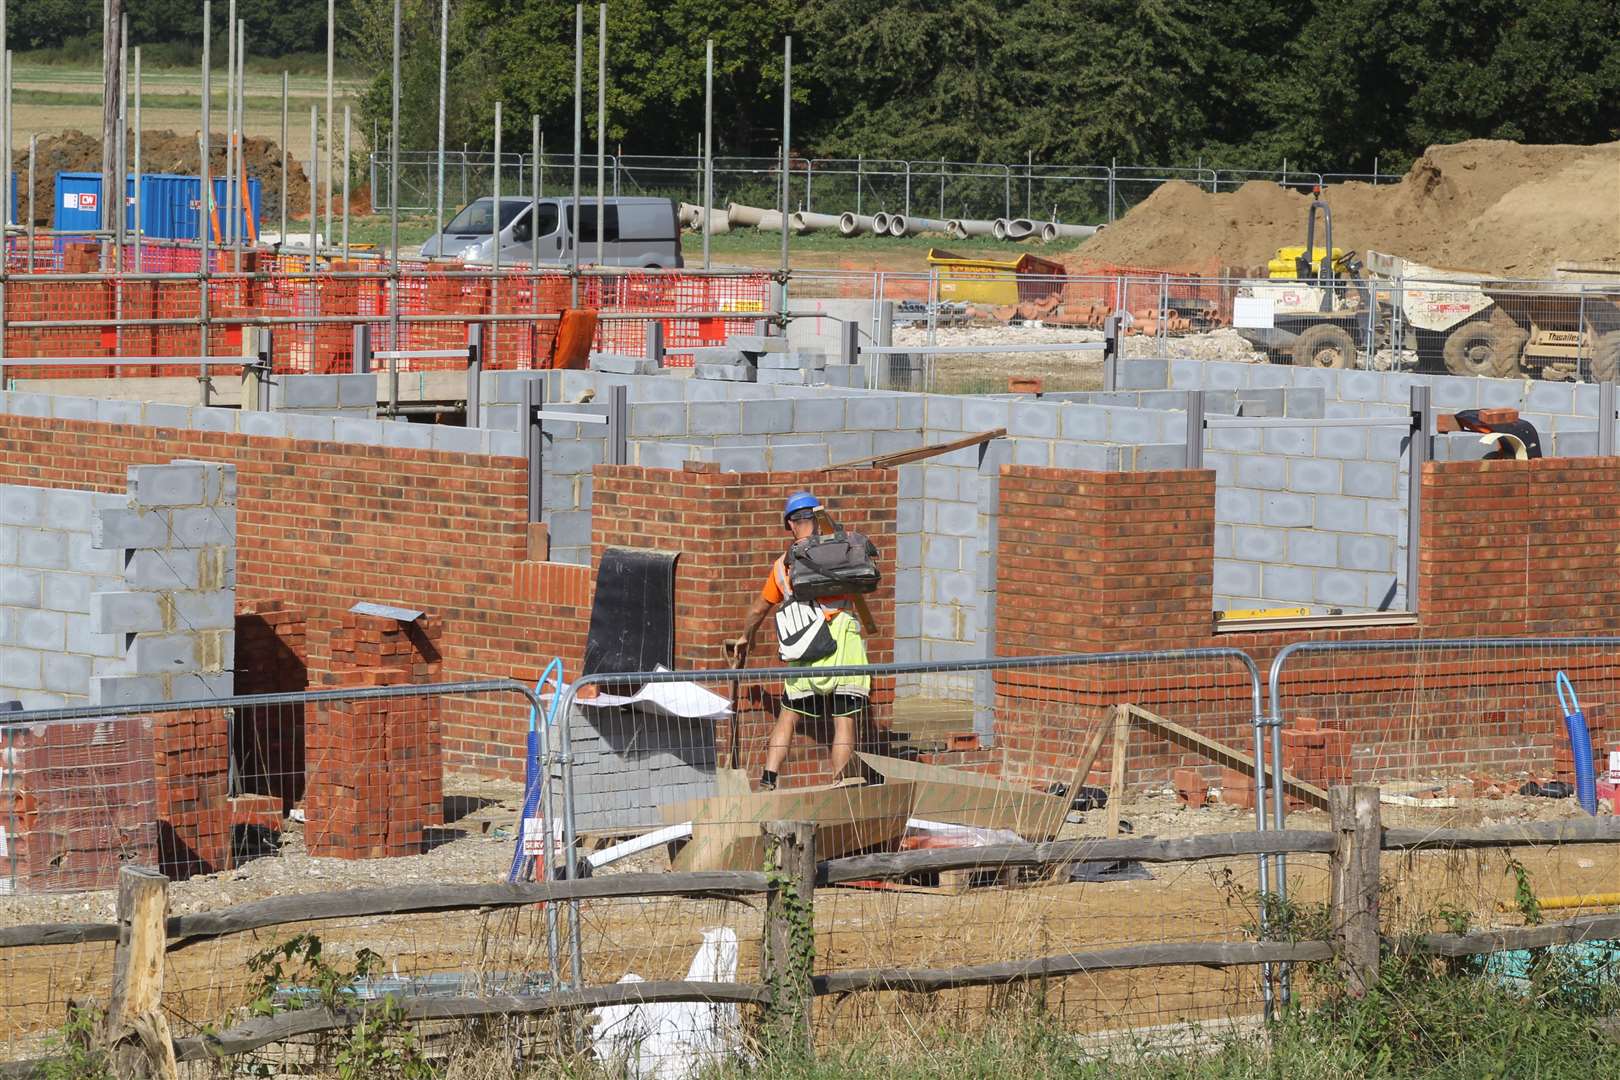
1491 206
162 152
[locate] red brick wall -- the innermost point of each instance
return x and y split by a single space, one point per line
1112 562
728 527
323 525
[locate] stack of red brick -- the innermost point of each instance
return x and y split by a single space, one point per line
374 767
1315 751
81 799
193 780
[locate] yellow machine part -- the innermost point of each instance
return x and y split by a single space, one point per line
1286 264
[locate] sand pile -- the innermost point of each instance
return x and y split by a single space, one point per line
1485 205
162 152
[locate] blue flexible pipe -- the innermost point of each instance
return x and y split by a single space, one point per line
532 765
1580 744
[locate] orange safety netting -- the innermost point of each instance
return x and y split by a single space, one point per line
313 314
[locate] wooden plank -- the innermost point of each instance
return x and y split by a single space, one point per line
1060 852
726 831
1353 869
29 934
1222 754
266 1030
1479 942
906 457
416 899
1170 954
1602 830
1116 767
959 797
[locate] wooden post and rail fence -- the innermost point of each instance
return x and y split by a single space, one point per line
136 1036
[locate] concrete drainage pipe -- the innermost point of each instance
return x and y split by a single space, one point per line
998 228
851 224
963 228
748 216
1052 230
880 224
719 222
1021 229
900 225
690 216
805 221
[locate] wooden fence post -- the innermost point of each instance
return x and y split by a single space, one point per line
789 945
1353 864
134 1031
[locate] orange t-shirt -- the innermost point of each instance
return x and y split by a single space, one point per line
778 589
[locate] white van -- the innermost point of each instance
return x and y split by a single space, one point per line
640 232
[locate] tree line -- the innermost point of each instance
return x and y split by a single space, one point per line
1328 85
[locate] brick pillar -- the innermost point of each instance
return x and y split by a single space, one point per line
374 769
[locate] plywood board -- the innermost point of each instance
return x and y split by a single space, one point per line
959 797
726 830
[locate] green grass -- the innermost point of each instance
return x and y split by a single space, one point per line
79 59
259 104
414 228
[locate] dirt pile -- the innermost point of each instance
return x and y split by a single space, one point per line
1496 207
161 152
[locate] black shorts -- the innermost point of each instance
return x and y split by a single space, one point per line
826 706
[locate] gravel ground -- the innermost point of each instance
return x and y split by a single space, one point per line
477 847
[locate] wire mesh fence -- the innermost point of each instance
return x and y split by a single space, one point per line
948 772
202 788
1075 193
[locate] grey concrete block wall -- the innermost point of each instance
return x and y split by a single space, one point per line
629 764
344 425
119 599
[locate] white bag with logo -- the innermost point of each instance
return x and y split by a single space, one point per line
801 629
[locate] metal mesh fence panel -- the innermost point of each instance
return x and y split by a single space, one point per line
915 759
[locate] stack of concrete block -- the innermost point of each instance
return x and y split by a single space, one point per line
629 764
739 359
350 396
793 368
622 364
174 619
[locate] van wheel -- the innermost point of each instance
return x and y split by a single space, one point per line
1324 346
1484 349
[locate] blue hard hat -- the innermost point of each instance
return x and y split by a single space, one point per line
799 500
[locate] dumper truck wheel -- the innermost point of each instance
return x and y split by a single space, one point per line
1324 346
1484 349
1606 357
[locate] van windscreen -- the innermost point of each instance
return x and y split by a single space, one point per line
474 219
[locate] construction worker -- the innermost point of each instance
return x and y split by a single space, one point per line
837 700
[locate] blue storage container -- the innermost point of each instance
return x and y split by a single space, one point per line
168 204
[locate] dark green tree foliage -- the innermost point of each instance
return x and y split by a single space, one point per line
1329 84
274 27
